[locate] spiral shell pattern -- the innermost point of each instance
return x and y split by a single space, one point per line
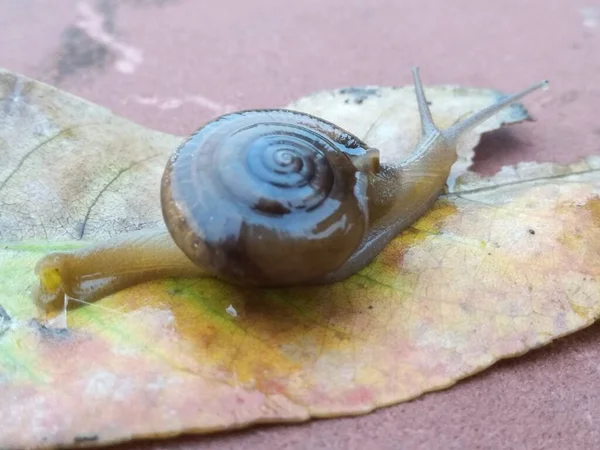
267 197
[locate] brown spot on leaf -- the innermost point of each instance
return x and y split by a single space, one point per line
5 321
593 206
50 333
85 438
359 94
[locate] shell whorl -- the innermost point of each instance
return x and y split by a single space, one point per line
267 196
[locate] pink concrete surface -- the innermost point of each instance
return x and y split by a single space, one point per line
172 65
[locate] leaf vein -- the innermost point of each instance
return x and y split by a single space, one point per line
27 155
106 187
518 183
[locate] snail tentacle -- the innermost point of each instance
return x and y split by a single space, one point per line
400 194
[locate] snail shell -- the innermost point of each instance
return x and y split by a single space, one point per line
268 197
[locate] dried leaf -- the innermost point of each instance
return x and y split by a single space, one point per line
71 169
497 267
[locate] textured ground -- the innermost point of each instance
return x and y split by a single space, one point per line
172 65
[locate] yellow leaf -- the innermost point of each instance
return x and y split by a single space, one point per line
498 266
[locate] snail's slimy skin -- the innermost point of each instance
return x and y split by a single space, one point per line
96 271
269 198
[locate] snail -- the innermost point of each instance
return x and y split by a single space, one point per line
270 198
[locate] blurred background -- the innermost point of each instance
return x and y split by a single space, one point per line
174 64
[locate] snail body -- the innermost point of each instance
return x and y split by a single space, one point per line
270 198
